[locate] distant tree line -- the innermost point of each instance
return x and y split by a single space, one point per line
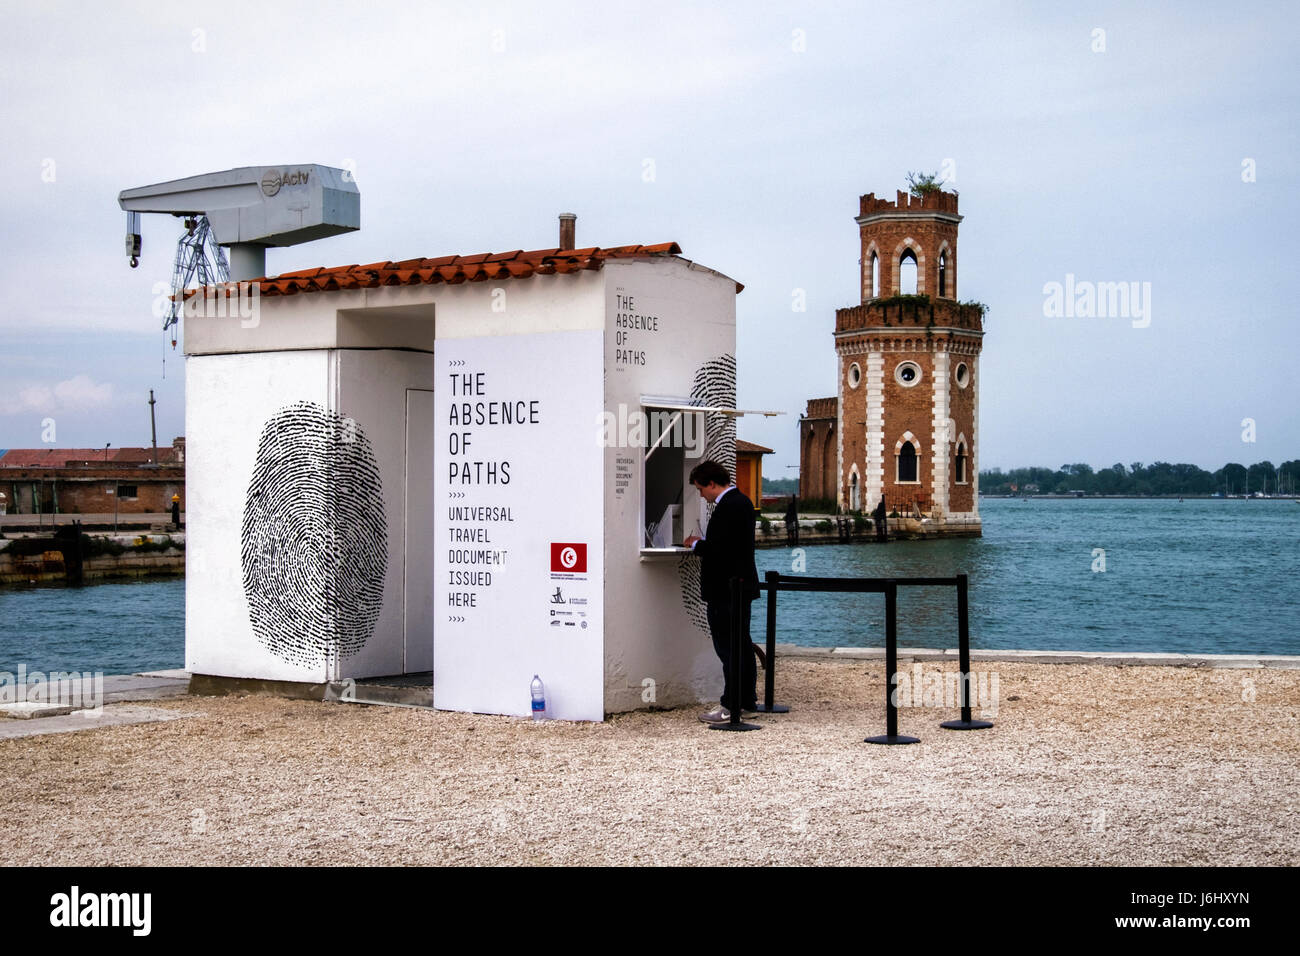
780 486
1158 478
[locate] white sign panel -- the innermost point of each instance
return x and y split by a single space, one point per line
519 563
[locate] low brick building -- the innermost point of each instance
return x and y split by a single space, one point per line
92 480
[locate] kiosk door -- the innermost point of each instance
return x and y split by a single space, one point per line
417 603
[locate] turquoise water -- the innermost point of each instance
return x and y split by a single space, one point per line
117 628
1198 576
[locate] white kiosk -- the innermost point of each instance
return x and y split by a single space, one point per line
474 465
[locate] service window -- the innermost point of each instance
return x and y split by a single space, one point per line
675 438
674 444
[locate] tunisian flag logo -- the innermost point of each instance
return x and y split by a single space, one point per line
568 557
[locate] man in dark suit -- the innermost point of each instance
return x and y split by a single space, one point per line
727 551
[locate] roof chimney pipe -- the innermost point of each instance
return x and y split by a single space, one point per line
568 230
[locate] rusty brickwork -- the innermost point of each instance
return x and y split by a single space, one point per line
817 449
924 228
91 490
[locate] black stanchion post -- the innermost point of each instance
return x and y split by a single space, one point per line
891 735
769 669
891 659
963 661
737 590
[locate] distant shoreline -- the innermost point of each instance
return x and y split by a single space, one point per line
1197 497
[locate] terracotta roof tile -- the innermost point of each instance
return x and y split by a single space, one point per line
517 264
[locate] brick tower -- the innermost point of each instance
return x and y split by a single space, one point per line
909 369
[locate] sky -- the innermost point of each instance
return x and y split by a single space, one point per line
1153 144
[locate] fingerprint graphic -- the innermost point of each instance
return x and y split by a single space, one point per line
715 384
314 538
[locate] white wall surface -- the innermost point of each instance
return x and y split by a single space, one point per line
651 633
401 316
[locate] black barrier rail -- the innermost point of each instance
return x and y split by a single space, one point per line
769 661
775 582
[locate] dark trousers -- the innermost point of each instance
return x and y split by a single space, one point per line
719 613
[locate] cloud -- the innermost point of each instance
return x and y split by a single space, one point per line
73 394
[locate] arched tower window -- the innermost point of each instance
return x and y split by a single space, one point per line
855 496
907 273
961 463
943 272
875 275
907 462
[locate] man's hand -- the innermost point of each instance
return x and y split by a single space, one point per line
690 541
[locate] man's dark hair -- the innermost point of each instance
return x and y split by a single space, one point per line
710 473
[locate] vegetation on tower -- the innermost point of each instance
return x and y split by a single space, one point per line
924 184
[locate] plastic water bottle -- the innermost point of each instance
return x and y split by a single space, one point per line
539 698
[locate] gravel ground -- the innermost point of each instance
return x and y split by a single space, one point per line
1087 764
